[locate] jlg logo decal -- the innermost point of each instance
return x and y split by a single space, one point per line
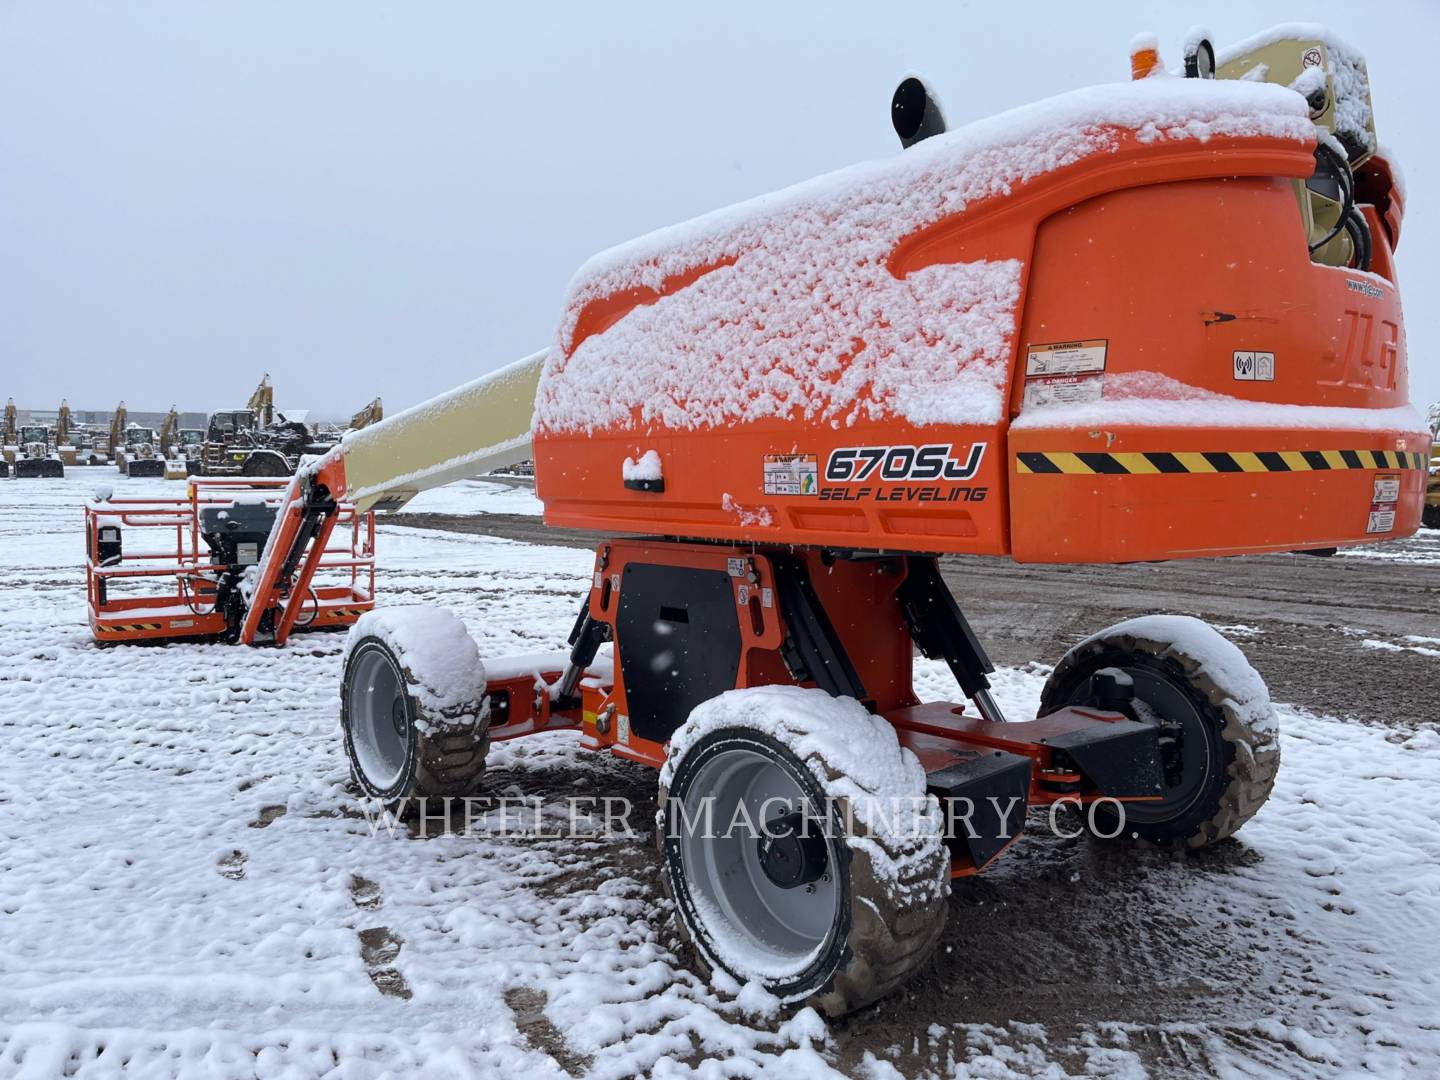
897 464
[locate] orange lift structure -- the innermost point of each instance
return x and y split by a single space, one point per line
201 551
1152 320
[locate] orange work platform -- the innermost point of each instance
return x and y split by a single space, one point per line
161 569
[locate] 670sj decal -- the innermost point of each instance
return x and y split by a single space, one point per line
898 464
897 473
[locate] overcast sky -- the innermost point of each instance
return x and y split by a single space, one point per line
366 198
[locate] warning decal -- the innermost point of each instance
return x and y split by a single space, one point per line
1066 358
1382 504
1381 521
791 474
1065 372
1387 489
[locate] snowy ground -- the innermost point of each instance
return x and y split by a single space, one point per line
1423 548
186 888
508 496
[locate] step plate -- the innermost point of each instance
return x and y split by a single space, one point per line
984 795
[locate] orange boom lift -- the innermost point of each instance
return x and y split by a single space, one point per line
1153 320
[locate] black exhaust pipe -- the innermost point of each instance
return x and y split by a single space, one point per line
915 112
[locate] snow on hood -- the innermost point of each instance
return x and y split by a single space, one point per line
800 316
1151 399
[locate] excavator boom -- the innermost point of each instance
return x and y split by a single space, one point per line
117 430
169 432
262 402
372 413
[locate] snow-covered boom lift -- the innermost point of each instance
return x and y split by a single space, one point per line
1142 321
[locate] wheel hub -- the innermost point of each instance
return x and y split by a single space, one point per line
397 715
791 853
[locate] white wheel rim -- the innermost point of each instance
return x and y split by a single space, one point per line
379 719
753 925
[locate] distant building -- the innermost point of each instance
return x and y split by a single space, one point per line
101 417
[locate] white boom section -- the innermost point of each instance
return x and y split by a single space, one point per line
482 425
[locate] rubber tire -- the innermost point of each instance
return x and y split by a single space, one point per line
1238 782
1430 516
888 937
448 762
266 463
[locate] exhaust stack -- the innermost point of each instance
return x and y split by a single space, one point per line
915 112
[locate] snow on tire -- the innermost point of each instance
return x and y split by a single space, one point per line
413 706
832 890
1200 686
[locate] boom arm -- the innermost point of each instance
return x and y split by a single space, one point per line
482 425
169 432
372 413
62 424
262 402
117 429
11 432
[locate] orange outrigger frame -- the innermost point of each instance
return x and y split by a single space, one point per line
188 608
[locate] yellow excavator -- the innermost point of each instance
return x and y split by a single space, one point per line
9 439
29 448
172 452
134 448
115 445
372 413
262 403
64 445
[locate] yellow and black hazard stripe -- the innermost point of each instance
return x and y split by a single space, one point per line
1232 461
130 628
342 613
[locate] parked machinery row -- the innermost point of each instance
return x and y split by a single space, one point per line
258 440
